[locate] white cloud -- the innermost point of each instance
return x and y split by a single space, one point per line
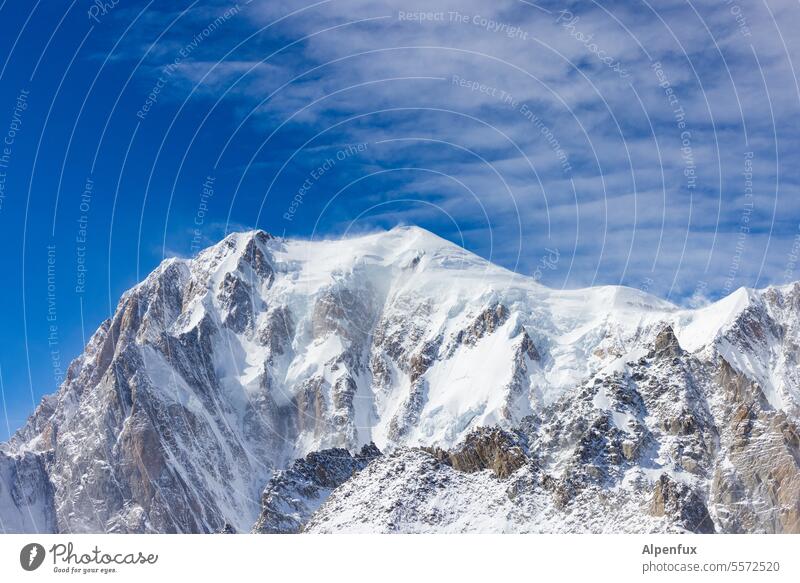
620 134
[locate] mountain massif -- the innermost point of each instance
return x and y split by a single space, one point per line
394 382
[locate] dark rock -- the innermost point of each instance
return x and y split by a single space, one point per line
487 322
485 449
291 496
682 505
666 345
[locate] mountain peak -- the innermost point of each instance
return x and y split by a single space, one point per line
238 240
219 370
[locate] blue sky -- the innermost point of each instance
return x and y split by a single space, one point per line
648 144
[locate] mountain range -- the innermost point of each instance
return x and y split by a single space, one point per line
395 382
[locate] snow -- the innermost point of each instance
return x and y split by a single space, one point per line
698 328
622 420
578 332
420 292
406 492
464 391
30 514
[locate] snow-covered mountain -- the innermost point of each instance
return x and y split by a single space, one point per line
498 404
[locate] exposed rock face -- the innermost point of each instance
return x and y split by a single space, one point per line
26 494
539 410
408 414
666 344
485 449
485 323
292 496
681 504
757 489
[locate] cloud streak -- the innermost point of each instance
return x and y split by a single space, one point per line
618 132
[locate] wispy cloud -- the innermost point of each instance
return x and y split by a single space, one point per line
618 133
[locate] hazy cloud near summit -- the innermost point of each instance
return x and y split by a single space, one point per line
558 119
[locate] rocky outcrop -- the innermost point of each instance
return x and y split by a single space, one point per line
26 494
411 491
757 487
666 344
485 323
276 332
485 449
409 412
293 495
519 400
682 505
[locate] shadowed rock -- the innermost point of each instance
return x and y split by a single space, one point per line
485 449
293 495
681 504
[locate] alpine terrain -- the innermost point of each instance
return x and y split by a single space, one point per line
395 382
